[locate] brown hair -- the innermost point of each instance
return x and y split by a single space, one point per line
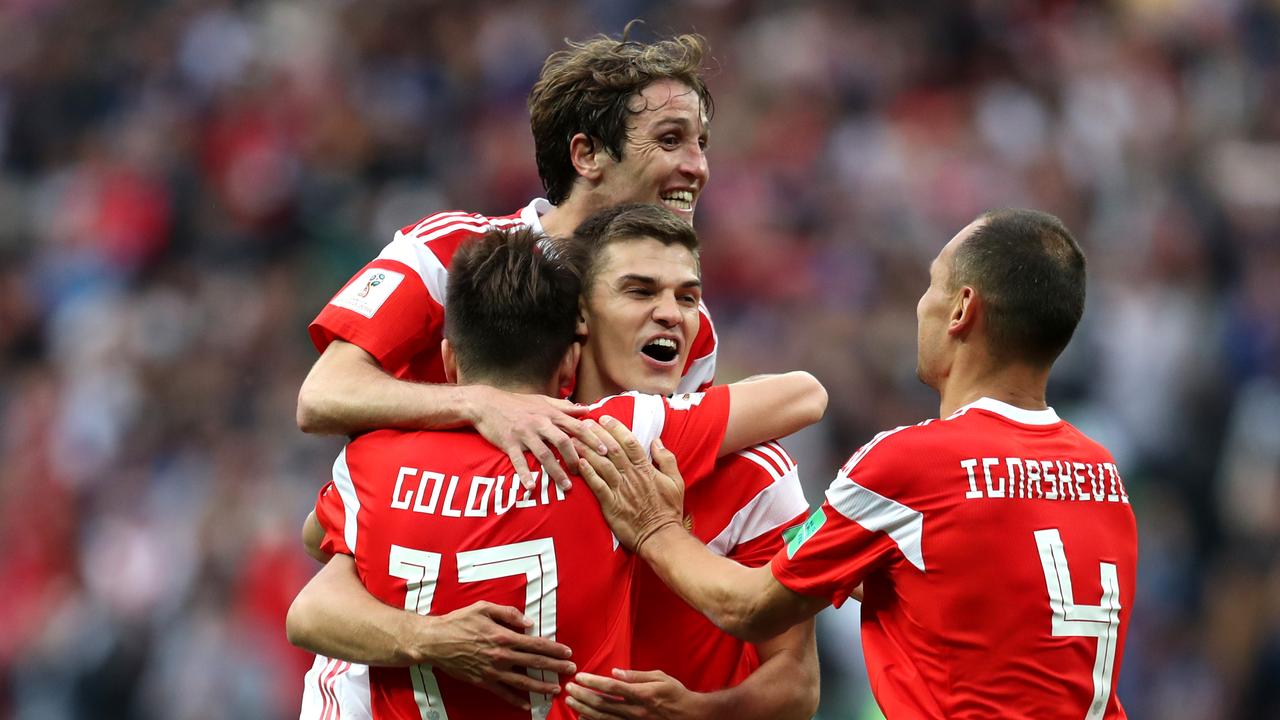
512 308
628 221
587 89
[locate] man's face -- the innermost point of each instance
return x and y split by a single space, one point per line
933 314
664 158
642 316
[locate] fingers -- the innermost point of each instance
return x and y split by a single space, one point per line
638 676
589 704
516 455
602 684
665 461
506 615
522 684
569 407
628 442
520 700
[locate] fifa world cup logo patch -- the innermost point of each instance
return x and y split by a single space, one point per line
373 282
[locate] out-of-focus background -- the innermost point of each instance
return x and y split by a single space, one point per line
183 184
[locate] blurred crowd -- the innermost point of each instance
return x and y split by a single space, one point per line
183 184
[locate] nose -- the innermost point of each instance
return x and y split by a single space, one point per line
694 165
666 311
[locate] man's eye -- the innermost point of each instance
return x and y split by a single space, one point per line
639 292
670 141
689 299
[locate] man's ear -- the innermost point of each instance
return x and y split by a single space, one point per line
450 361
965 312
567 373
581 330
586 155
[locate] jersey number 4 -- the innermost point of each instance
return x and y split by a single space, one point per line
534 559
1071 620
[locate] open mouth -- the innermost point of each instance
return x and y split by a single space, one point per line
679 200
664 350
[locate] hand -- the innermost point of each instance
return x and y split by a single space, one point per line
484 644
635 695
637 498
534 423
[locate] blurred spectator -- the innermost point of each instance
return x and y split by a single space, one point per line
182 184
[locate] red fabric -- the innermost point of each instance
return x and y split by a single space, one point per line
673 637
971 635
421 498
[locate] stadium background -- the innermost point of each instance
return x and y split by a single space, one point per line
184 183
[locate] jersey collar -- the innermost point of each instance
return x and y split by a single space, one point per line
1016 414
532 213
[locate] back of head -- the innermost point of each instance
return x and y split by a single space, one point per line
1031 273
587 89
628 221
512 308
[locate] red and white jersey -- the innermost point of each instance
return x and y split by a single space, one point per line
997 551
739 511
436 522
394 307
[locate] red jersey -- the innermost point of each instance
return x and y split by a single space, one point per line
997 552
738 512
393 308
436 522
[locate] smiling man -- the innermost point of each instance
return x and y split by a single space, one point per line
613 121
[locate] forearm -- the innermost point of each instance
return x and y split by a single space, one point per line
784 687
729 594
347 392
339 618
772 406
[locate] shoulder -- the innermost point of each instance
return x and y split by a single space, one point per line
442 232
899 445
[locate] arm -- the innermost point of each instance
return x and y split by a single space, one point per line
643 506
772 406
348 392
312 534
784 686
482 644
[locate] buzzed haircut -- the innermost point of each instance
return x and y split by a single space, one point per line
512 307
628 221
1031 273
587 89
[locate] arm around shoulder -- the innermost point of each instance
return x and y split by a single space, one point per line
772 406
347 392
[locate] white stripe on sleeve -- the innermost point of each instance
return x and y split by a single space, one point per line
774 506
350 502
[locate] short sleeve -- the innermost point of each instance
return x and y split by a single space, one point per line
861 527
386 310
760 486
331 514
693 430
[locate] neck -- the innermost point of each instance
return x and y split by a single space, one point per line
564 218
548 388
1018 384
591 386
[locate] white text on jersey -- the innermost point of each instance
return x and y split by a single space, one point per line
438 494
1012 477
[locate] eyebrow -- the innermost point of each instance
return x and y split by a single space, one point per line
647 280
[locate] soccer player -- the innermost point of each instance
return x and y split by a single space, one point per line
641 290
613 121
436 520
996 544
